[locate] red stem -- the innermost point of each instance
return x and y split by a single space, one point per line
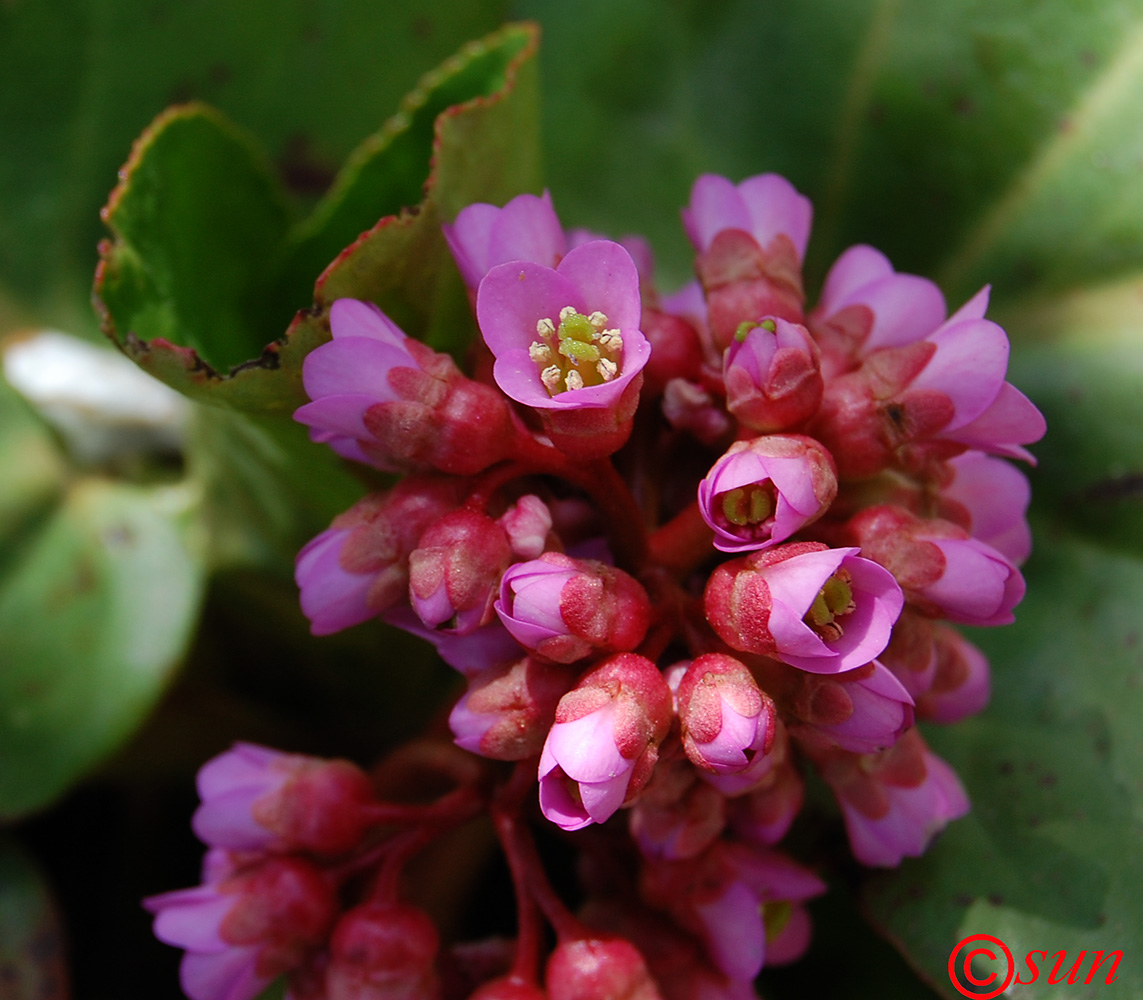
507 819
684 543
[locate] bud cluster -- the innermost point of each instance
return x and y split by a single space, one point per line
681 547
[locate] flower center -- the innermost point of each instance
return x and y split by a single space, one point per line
580 351
834 601
748 506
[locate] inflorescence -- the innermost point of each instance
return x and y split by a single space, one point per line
681 548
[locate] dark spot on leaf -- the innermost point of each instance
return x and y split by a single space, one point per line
220 73
182 91
1100 919
1006 767
1128 486
1034 821
995 899
877 113
963 105
302 170
1048 781
1088 59
422 28
963 899
118 537
1131 639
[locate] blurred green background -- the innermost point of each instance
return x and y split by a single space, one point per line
147 614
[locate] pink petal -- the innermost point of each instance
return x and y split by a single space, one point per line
514 297
906 308
190 918
996 495
968 367
715 205
858 266
978 587
607 280
601 799
586 748
776 207
353 318
228 975
353 366
1011 419
556 801
735 934
341 416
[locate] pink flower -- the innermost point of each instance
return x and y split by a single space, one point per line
773 377
862 710
508 710
604 744
819 609
866 305
942 571
678 815
764 489
766 206
726 720
963 682
764 815
567 343
490 645
724 895
382 398
527 228
598 968
357 568
896 801
242 933
994 496
381 950
257 799
565 609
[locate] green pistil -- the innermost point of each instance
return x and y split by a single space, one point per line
834 601
747 505
744 329
580 351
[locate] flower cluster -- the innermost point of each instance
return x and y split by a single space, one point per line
681 548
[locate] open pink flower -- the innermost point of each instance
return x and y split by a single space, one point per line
764 489
385 399
605 741
765 206
567 342
819 609
527 228
896 801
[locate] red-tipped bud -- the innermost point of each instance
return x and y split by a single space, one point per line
383 951
819 609
726 720
565 609
765 489
863 710
528 524
599 969
257 799
455 570
605 741
943 571
358 568
509 709
383 398
773 376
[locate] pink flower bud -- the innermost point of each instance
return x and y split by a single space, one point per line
387 400
911 653
723 897
598 969
943 572
765 489
605 741
527 228
963 682
726 720
773 377
455 570
508 710
862 710
866 305
243 932
764 815
751 239
819 609
565 609
678 815
257 799
994 496
567 343
896 801
527 523
381 951
357 568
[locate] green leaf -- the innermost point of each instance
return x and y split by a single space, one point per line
972 140
1048 858
196 218
79 79
31 938
483 149
94 616
200 278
